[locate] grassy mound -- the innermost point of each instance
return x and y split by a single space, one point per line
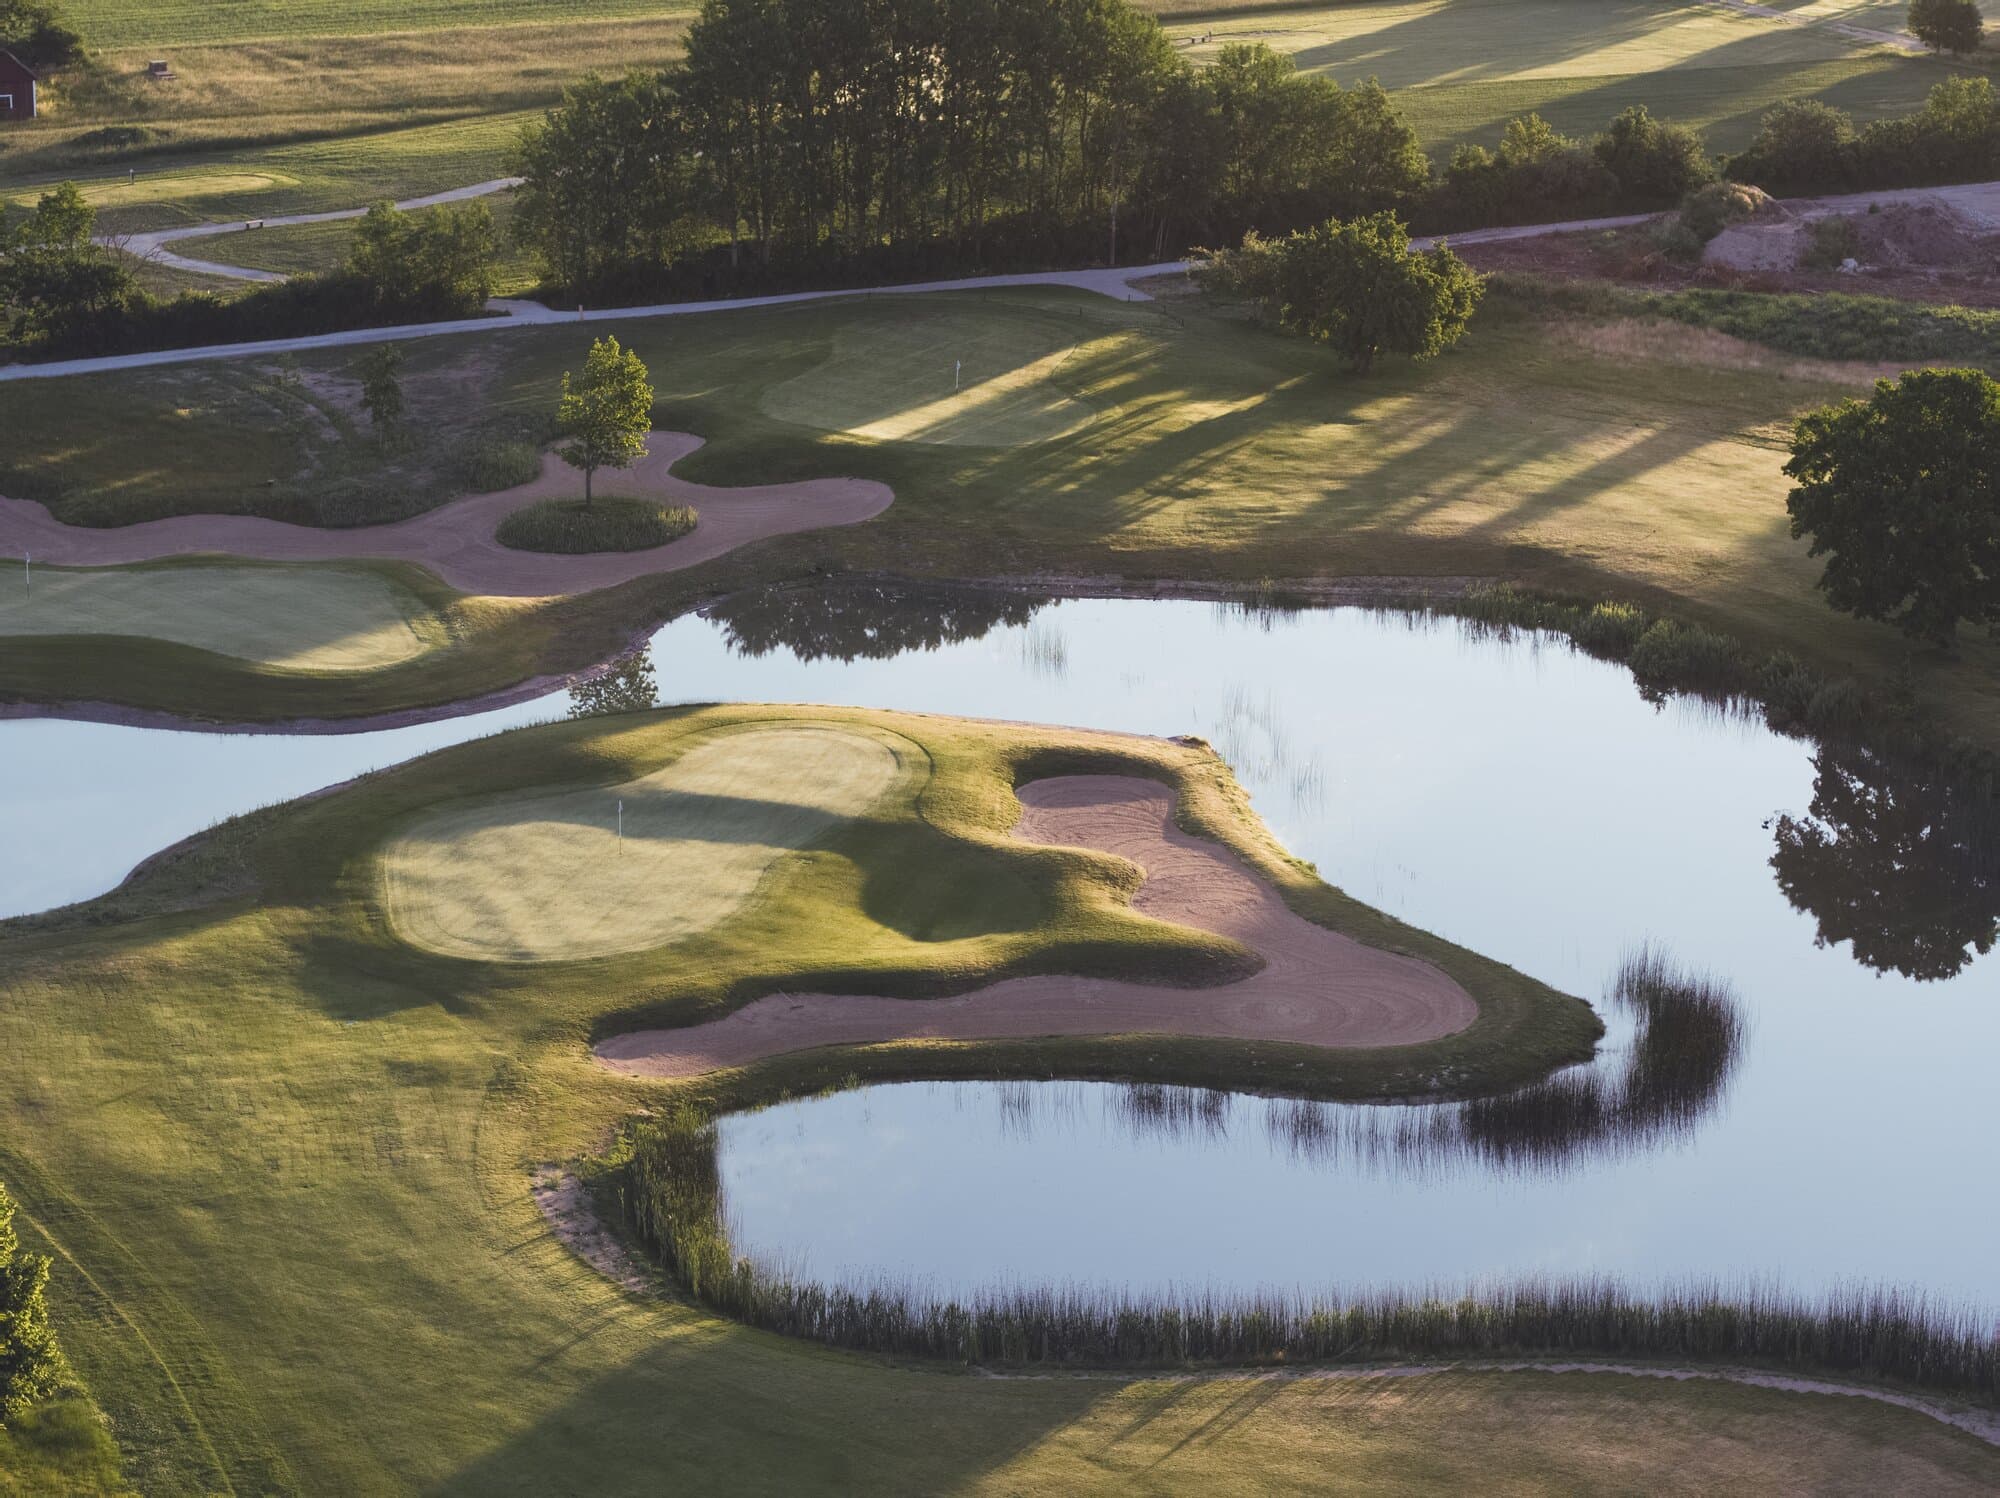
543 876
306 618
569 527
954 375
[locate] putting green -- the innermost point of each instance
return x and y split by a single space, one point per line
299 618
543 875
889 378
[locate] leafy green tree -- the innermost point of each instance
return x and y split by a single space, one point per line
31 1365
1652 159
438 260
382 385
35 32
1947 25
52 271
606 413
1356 287
1901 494
1802 145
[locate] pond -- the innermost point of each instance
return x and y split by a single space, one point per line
1510 794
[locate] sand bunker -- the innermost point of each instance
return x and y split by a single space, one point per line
298 618
456 541
544 876
1317 987
891 380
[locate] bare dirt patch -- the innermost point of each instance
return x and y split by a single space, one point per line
567 1208
1316 987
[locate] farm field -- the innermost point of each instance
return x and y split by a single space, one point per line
315 1263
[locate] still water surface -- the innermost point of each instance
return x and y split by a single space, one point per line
1511 795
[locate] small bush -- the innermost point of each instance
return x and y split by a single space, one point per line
1707 211
503 464
1677 241
565 526
1829 243
1685 657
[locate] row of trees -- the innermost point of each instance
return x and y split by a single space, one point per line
63 292
923 130
837 137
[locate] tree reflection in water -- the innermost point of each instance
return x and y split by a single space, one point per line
1903 866
626 685
866 621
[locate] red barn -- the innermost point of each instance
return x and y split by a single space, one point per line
17 88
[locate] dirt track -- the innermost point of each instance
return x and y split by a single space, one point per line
456 540
1316 987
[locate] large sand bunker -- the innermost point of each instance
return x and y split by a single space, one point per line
951 376
543 876
297 618
456 540
1317 987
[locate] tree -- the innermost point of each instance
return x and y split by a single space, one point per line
35 32
1947 25
381 384
1901 494
1802 145
31 1365
607 413
1652 159
439 260
1357 287
53 273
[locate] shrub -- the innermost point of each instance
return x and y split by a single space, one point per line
1674 656
1652 160
499 464
570 526
1830 242
1947 25
1801 146
1708 210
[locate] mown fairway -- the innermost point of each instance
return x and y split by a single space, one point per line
284 1161
293 618
1461 68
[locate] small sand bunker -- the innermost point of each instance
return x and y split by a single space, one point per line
298 618
958 378
544 876
1317 987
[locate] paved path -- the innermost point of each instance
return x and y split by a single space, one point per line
456 540
152 245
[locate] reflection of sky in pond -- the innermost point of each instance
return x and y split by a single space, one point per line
1519 799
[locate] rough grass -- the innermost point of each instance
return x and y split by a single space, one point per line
546 876
308 618
958 376
294 249
59 1450
570 526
